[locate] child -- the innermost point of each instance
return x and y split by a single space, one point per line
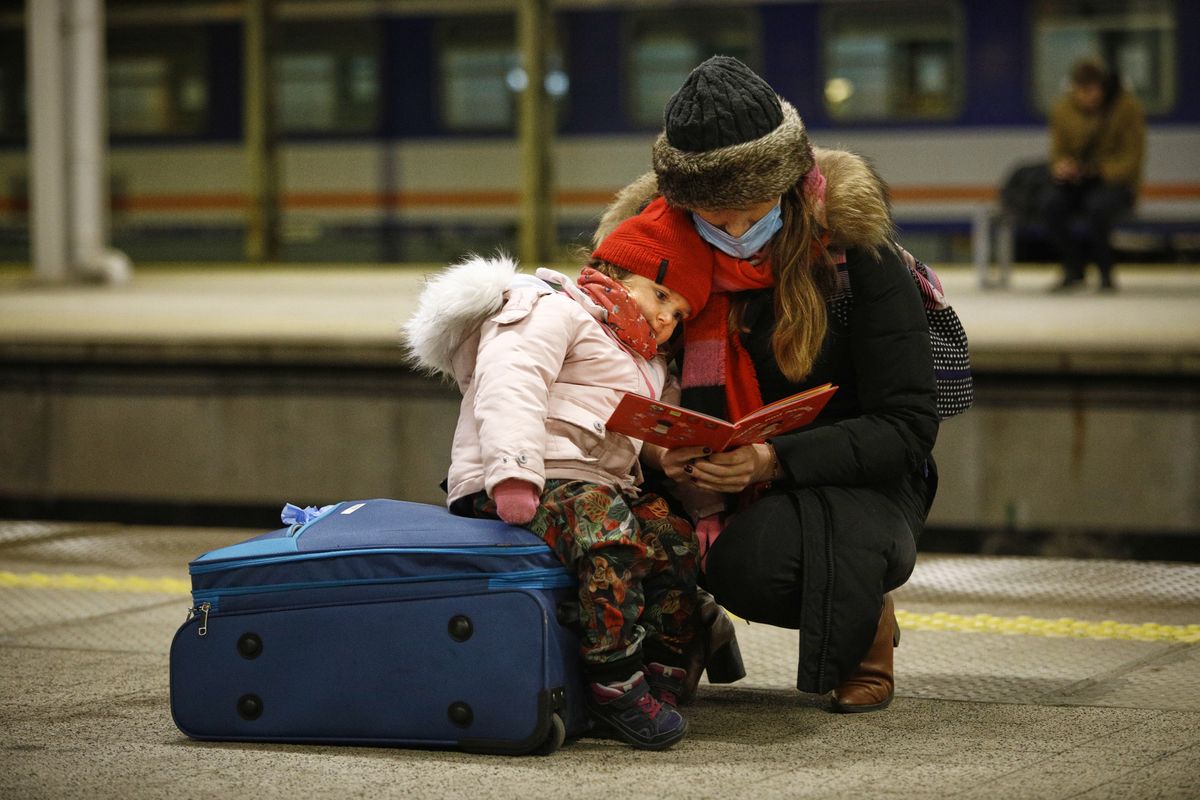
542 362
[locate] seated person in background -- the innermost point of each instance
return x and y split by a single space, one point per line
1097 143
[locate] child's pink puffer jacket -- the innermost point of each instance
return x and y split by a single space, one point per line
539 375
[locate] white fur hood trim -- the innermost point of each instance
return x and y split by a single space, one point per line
453 304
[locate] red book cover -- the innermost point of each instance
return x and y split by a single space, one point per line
671 426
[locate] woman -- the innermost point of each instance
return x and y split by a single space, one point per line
821 522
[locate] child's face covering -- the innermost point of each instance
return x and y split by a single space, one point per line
663 308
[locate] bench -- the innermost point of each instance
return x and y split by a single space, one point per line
994 231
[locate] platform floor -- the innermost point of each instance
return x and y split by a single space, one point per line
1017 678
1152 325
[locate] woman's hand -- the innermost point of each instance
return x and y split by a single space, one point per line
677 463
1065 170
722 472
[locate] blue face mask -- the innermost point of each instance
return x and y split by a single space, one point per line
754 239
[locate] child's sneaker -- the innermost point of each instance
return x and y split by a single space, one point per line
666 683
631 712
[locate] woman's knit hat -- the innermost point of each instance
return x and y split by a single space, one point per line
661 244
728 140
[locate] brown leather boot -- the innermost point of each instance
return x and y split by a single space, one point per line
871 686
714 651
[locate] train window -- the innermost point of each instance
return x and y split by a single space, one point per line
156 82
482 76
889 60
1135 37
327 76
664 46
13 98
139 95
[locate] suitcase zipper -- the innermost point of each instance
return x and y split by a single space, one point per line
489 550
207 601
201 611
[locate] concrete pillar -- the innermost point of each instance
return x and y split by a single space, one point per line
262 165
68 135
87 148
535 130
49 212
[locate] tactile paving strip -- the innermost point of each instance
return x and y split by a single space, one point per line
1028 661
1025 654
66 618
97 586
1013 669
20 531
109 546
1170 680
145 628
1144 585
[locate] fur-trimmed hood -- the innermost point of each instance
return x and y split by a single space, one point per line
538 375
451 307
458 300
857 207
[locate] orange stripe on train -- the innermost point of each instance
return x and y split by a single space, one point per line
231 201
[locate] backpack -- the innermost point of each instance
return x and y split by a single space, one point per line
947 340
1021 195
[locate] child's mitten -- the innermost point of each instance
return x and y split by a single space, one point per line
516 500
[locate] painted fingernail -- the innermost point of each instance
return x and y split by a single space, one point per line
687 467
694 480
707 451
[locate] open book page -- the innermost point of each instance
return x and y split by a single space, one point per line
782 416
671 426
668 425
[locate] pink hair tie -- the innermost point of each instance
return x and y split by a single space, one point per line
814 186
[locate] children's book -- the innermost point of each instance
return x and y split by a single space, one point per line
671 426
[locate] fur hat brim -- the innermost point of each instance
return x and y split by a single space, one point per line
736 176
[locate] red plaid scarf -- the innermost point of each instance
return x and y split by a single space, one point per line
713 351
625 319
714 354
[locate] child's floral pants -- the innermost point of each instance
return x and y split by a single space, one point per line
636 564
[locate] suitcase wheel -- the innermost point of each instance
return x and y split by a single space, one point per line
460 628
567 614
249 707
460 714
249 645
554 738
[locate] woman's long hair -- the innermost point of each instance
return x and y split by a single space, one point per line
805 278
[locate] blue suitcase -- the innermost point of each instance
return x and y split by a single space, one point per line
382 622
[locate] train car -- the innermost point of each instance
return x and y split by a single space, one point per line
396 118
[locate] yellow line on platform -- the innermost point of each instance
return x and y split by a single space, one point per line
94 583
1054 628
936 621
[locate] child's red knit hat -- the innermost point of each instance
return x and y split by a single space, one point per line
662 244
